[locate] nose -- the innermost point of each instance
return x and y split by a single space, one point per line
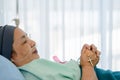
32 43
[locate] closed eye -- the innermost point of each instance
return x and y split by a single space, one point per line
25 42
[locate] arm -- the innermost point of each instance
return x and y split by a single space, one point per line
88 72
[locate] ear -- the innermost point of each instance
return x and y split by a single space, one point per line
13 56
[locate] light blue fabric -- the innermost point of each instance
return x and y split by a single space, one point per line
41 69
8 71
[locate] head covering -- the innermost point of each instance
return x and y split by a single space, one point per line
6 40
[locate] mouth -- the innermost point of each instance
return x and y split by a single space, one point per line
35 51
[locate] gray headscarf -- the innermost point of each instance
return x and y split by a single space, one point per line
6 40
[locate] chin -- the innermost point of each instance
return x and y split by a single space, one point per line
36 56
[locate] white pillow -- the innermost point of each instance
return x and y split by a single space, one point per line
8 71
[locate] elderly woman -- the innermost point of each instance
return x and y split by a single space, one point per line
21 50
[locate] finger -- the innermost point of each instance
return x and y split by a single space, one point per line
85 46
89 52
93 48
97 53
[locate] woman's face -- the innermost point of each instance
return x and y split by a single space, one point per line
24 49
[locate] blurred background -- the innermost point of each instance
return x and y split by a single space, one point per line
61 27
